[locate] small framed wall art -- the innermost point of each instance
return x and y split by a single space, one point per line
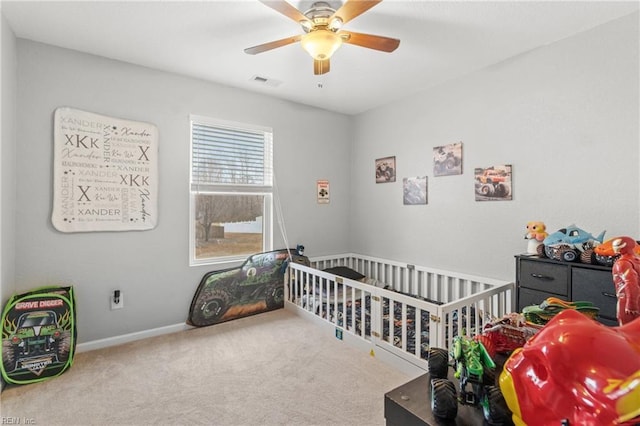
414 190
386 169
493 183
447 159
322 191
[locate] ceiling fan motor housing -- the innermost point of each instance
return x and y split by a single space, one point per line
319 15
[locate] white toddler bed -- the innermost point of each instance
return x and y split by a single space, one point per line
399 308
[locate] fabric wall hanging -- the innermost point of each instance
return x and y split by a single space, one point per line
105 173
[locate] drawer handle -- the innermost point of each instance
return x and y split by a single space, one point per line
607 294
542 277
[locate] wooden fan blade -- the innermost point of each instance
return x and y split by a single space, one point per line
353 8
385 44
286 9
271 45
321 66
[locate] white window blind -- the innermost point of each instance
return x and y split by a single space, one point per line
231 180
223 155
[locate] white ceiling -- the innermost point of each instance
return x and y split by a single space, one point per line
440 40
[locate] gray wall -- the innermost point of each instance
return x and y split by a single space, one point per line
7 161
151 267
564 115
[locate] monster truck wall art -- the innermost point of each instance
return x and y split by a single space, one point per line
256 286
447 159
38 335
493 183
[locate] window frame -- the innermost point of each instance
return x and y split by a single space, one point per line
266 190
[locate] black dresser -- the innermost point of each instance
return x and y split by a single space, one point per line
538 278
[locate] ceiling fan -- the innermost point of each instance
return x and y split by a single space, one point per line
322 30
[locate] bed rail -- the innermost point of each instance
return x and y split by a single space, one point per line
429 283
422 307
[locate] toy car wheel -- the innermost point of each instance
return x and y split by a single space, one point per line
588 256
275 296
212 306
64 346
502 190
438 363
388 174
550 252
495 410
444 403
450 163
486 189
489 376
8 356
567 254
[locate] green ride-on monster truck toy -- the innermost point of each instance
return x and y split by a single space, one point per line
475 372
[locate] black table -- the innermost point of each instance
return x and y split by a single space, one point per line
410 405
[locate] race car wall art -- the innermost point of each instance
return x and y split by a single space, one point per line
254 287
38 335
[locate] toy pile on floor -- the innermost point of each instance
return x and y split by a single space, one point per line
575 370
570 371
560 366
573 244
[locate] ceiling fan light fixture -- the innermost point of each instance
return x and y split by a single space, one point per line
306 25
321 44
335 24
322 25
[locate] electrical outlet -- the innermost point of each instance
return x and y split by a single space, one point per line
117 300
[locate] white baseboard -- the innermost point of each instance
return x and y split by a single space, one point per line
131 337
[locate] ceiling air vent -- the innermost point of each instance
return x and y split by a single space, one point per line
266 81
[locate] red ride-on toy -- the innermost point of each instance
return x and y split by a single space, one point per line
577 372
507 334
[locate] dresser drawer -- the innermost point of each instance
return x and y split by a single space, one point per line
596 287
607 321
528 297
542 276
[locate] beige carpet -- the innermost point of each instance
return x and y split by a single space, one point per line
269 369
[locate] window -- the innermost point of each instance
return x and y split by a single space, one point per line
231 190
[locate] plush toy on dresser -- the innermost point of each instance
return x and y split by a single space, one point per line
571 244
535 234
626 271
